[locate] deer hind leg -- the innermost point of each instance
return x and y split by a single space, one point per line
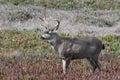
65 63
93 64
97 63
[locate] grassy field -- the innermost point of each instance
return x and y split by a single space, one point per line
69 4
24 56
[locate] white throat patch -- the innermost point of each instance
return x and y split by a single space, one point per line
46 35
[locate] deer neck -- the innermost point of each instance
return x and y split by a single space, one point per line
55 42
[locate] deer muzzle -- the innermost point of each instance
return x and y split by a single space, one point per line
42 37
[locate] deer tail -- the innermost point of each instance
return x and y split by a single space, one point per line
103 46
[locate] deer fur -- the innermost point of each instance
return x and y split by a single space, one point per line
72 48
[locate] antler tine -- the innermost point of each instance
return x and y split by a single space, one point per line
58 25
45 21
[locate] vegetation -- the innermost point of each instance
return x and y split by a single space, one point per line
23 41
112 43
31 67
28 41
24 56
38 61
70 4
77 4
19 16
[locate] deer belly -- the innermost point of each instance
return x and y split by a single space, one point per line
77 56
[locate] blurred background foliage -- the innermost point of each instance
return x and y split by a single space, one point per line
69 4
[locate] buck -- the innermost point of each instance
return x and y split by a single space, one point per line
72 48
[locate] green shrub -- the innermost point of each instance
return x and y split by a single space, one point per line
70 4
112 43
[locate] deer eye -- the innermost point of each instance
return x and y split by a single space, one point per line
46 32
50 31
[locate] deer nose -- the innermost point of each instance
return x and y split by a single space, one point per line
42 37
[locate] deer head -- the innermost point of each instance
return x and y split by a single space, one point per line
49 33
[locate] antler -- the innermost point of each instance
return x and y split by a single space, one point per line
47 27
56 26
45 21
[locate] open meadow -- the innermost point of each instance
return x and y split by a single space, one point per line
24 56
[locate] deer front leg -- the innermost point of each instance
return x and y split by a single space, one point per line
65 63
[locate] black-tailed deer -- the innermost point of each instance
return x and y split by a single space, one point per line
73 48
